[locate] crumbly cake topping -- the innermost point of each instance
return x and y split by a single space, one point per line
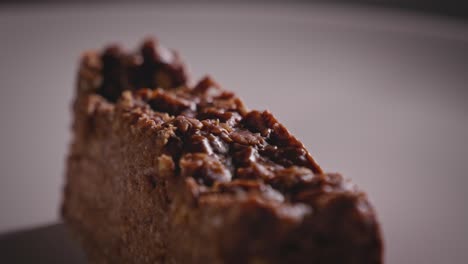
213 138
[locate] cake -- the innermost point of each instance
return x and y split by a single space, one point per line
163 171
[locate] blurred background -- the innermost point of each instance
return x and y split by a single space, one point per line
376 90
453 8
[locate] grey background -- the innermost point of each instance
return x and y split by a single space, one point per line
449 8
377 95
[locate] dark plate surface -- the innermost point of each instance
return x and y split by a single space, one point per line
47 244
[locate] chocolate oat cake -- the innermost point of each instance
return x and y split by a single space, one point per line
162 171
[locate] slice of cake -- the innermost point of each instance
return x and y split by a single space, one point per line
160 171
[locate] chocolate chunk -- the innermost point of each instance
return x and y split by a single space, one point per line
244 155
205 85
255 171
153 67
115 73
245 137
165 102
198 143
161 68
256 122
204 168
218 145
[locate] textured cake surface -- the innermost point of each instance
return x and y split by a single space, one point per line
161 171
